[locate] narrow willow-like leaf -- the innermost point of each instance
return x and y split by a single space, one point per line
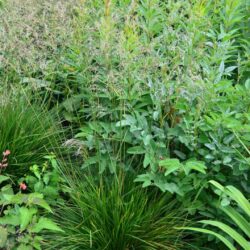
235 194
206 231
217 185
231 232
239 220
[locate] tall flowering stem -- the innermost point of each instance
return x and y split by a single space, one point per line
4 162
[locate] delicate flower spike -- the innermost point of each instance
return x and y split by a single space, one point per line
6 153
23 186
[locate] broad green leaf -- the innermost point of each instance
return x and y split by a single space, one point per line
10 219
51 191
3 236
227 160
146 183
85 131
171 165
16 199
156 115
172 188
210 146
146 140
180 154
37 242
3 178
196 165
6 190
45 223
95 126
24 247
35 169
103 163
37 199
26 216
145 178
122 123
91 160
146 160
228 138
29 199
171 169
129 120
54 163
169 162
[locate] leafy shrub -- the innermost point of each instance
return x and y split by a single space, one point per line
114 213
229 39
168 111
111 55
188 44
216 130
146 130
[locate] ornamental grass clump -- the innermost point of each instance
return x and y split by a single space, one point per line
28 130
115 213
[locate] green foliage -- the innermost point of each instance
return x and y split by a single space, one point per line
177 177
229 39
216 130
150 81
32 34
141 90
156 89
45 180
28 130
148 130
23 212
238 214
114 213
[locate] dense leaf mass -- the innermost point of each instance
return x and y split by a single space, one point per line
124 124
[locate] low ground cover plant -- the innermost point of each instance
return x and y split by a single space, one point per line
25 208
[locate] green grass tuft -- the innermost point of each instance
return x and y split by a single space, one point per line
116 214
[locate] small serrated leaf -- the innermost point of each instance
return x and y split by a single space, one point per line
45 223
